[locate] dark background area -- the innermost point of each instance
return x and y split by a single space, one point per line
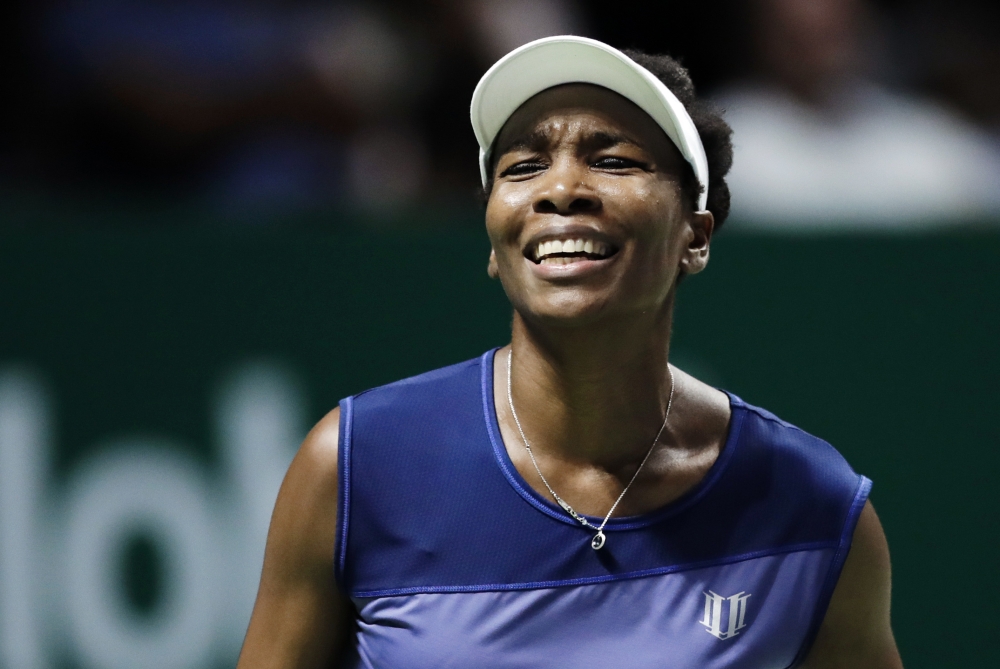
236 107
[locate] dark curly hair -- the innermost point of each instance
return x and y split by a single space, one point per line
716 135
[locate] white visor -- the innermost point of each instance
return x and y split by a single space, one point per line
553 61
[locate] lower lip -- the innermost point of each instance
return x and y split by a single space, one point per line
572 270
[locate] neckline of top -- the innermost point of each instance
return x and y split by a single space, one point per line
737 410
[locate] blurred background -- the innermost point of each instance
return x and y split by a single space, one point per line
846 111
217 218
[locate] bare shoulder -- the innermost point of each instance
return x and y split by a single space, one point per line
856 631
702 412
300 618
306 511
317 457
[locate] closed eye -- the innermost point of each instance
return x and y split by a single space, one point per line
523 168
618 163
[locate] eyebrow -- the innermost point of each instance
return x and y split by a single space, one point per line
533 141
606 140
536 141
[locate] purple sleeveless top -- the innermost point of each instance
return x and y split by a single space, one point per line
453 560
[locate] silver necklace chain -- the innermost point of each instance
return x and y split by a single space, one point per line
598 541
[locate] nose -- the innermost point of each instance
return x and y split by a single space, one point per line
563 189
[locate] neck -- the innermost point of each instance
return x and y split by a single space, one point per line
596 394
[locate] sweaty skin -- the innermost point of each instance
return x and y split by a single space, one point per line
590 345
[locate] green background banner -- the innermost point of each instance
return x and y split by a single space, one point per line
886 346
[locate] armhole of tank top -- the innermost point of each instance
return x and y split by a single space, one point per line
343 490
861 493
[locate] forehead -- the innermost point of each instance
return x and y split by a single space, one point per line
582 108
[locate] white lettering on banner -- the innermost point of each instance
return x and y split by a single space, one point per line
208 532
141 486
23 450
258 409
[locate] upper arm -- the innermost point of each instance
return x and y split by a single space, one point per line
300 618
856 630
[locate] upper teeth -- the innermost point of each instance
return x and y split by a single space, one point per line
570 246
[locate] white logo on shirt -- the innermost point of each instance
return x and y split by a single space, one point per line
735 614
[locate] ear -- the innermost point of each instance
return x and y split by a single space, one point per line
491 266
695 256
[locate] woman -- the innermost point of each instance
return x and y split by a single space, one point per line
572 499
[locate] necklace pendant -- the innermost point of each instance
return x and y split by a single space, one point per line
597 543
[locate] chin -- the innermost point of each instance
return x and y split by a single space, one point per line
567 311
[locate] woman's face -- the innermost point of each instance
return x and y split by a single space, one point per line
587 217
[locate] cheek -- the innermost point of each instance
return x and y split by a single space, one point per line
505 213
510 196
651 210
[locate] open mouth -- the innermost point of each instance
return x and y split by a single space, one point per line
567 251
